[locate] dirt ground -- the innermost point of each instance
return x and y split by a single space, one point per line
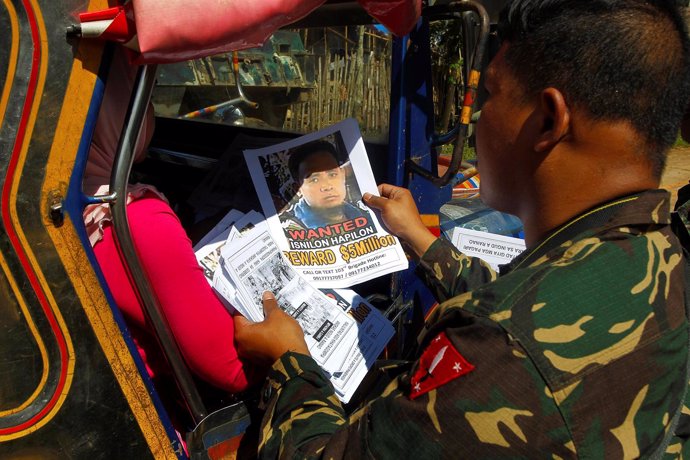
677 171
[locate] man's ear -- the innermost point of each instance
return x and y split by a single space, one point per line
555 119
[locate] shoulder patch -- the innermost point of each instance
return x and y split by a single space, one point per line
440 363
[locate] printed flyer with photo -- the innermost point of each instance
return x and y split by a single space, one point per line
310 189
345 334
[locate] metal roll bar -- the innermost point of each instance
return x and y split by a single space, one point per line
241 99
122 167
238 83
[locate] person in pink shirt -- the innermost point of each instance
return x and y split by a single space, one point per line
201 325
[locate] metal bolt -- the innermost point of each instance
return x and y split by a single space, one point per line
55 208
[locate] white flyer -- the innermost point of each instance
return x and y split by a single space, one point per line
374 332
224 287
245 224
208 256
219 229
310 189
492 248
255 265
207 250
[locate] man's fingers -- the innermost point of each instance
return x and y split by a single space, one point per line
394 193
270 303
386 189
373 201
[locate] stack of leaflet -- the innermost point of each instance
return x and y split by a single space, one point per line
344 333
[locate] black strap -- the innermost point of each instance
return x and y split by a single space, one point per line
676 423
680 422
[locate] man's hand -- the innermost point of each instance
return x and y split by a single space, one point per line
270 339
400 215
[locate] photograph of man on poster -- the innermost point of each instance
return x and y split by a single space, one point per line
326 192
310 189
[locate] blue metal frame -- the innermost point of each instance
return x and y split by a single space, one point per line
412 135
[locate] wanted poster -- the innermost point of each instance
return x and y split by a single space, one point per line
310 189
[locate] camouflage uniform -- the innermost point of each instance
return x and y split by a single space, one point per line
679 447
578 352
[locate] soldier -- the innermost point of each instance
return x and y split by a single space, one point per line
579 348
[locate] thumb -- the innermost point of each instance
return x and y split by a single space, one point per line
376 202
270 303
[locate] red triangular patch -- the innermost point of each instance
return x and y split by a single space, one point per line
439 364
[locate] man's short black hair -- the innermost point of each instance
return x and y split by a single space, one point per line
301 153
616 59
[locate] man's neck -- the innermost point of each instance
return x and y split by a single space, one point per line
580 176
537 228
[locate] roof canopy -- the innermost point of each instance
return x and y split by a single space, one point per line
175 30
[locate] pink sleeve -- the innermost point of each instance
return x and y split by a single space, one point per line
203 328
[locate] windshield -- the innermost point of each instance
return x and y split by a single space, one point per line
298 81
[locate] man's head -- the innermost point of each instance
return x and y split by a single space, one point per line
616 59
581 71
315 168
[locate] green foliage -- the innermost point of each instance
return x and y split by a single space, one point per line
680 142
445 38
455 72
468 153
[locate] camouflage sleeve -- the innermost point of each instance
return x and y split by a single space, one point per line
448 272
302 411
502 408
